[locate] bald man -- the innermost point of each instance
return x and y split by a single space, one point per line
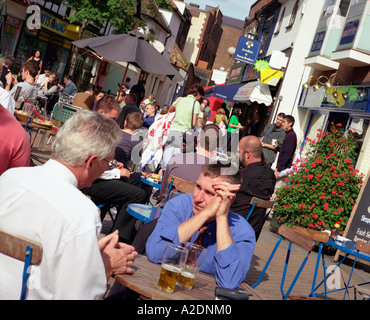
258 181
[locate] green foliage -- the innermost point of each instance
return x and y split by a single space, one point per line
123 15
323 190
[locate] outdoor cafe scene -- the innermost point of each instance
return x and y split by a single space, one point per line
143 159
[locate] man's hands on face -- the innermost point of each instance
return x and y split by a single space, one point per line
226 193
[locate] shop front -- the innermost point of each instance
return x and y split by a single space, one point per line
347 105
11 33
53 40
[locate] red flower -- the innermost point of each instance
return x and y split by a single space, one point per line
326 206
333 192
340 210
348 160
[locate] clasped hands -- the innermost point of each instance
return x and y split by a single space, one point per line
117 257
225 195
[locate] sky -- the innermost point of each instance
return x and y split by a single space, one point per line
238 9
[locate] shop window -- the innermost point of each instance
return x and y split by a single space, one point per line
359 127
280 22
317 121
343 7
293 15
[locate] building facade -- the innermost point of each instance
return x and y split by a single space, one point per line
203 40
339 86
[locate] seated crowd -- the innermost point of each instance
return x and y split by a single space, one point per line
93 165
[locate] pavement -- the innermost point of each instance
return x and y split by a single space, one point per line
269 287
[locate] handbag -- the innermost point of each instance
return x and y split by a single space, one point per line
173 107
192 115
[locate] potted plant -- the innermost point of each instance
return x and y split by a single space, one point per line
322 191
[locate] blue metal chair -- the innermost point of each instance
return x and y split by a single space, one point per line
152 184
298 239
321 238
104 209
147 213
359 250
61 113
24 250
362 288
260 203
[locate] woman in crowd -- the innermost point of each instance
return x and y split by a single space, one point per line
51 86
186 114
36 59
234 126
49 89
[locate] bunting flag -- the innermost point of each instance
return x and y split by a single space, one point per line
270 76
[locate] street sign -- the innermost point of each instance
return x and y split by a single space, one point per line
247 50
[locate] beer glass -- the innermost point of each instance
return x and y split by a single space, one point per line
193 263
174 259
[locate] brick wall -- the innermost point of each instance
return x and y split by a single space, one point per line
230 37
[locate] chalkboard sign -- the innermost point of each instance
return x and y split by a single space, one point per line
358 227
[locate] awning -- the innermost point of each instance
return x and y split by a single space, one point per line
227 92
254 91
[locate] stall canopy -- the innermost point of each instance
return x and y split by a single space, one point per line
222 91
227 92
254 91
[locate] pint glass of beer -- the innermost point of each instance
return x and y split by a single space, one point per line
174 259
193 263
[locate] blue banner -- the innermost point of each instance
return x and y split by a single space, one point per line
247 50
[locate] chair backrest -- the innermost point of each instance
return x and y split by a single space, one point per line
17 93
260 203
63 112
53 99
181 185
314 235
362 246
297 238
24 250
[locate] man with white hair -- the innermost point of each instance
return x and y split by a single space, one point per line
44 204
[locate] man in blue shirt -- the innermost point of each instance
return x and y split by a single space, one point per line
70 87
229 239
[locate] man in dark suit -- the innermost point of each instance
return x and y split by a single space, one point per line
258 181
130 106
139 91
7 67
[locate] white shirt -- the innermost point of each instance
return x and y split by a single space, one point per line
6 100
41 80
43 204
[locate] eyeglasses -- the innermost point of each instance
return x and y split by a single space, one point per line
112 163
